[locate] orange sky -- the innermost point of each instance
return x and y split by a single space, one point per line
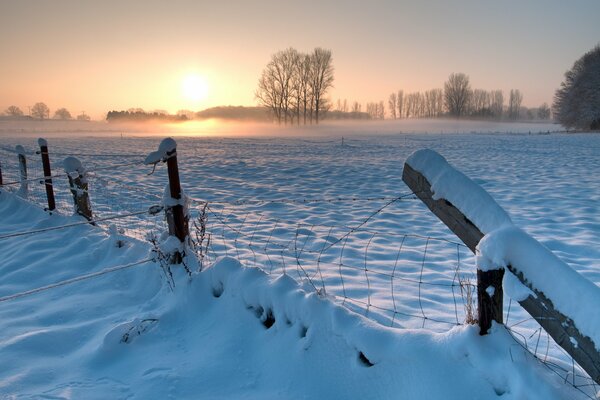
97 56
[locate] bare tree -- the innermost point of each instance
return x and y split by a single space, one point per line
40 111
497 103
14 111
62 113
393 105
275 84
543 112
322 78
400 102
381 110
514 104
356 107
457 93
84 117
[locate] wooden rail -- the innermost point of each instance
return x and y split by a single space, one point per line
559 326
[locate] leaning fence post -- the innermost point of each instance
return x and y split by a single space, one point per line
79 187
174 209
24 189
47 173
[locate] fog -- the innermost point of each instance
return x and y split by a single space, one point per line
220 128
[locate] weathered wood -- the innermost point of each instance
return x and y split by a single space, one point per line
176 219
24 188
79 187
560 327
0 174
490 299
47 174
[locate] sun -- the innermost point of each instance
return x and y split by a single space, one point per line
194 88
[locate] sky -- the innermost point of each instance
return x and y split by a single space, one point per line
96 56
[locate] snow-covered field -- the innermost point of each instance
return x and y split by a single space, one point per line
331 213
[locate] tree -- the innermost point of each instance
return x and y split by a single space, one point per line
322 78
294 85
275 84
514 104
543 112
62 113
14 111
497 103
400 102
84 117
577 101
457 94
40 111
392 102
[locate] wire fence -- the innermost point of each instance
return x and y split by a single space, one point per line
399 279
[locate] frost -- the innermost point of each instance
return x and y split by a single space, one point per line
168 201
490 290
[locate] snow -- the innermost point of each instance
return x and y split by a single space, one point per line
513 287
42 142
571 293
72 164
228 332
20 150
450 184
128 335
166 146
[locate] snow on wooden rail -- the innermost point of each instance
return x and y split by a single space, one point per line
562 301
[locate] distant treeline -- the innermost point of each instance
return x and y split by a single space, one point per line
139 115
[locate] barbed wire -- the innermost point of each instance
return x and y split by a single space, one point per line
73 280
70 225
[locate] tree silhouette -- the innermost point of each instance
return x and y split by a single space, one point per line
577 101
62 113
40 111
14 111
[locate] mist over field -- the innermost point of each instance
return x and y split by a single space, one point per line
215 128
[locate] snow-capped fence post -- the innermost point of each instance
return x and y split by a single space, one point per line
47 173
78 185
0 174
174 209
470 212
24 189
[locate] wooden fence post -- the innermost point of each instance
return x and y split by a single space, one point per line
0 174
490 299
559 326
24 189
47 173
176 219
79 187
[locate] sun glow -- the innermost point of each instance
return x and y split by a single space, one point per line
194 88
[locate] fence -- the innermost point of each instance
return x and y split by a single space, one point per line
400 279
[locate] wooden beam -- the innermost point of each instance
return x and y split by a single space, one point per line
560 327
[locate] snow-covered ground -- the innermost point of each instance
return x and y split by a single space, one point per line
331 213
